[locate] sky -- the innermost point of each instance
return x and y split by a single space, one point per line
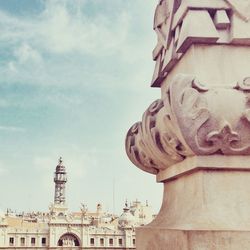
75 76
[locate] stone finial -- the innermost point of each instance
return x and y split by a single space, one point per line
60 161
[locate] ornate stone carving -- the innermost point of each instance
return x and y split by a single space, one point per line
191 120
212 22
162 25
211 123
160 21
156 142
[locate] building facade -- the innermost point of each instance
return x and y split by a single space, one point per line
61 229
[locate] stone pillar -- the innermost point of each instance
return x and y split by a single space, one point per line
196 137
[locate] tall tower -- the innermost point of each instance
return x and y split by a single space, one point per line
60 180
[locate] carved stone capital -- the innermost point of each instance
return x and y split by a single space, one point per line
191 120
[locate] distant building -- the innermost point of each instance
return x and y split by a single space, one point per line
61 229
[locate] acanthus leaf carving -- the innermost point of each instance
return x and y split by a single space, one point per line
154 145
191 120
135 149
200 118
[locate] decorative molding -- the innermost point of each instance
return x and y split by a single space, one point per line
207 162
191 120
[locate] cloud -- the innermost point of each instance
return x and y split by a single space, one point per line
87 66
65 45
24 57
25 53
64 27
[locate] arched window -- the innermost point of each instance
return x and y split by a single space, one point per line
60 243
68 240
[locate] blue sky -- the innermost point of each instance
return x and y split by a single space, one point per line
75 75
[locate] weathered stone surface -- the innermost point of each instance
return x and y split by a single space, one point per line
191 119
221 19
196 137
213 65
165 239
197 27
189 22
205 206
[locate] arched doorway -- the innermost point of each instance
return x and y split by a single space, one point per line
68 241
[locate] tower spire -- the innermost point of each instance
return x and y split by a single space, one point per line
60 180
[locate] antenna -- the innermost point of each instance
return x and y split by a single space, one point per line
114 196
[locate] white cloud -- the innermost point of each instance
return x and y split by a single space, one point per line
66 28
25 53
63 28
54 47
26 58
11 67
108 56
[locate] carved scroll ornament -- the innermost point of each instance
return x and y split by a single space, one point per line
191 120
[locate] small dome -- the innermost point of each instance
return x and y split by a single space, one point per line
126 219
60 167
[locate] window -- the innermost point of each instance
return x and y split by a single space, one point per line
33 241
11 241
120 242
92 241
68 239
133 241
22 241
111 242
102 242
43 241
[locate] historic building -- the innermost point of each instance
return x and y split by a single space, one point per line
61 229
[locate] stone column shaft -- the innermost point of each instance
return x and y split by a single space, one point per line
196 137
